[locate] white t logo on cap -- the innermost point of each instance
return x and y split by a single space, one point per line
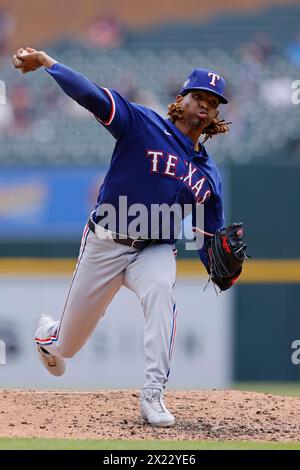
213 80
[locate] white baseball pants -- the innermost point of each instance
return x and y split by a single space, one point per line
103 267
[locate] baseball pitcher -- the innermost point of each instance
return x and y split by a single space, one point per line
155 161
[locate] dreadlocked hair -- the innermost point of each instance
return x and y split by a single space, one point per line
217 126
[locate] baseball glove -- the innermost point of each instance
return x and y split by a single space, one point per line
226 254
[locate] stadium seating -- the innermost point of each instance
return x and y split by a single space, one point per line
49 129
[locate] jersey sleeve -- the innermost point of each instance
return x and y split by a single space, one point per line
111 109
213 220
124 115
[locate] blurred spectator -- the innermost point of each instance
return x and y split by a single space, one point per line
173 86
148 99
7 27
293 51
254 57
264 45
21 99
259 50
105 31
128 86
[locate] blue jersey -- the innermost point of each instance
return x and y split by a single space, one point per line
153 162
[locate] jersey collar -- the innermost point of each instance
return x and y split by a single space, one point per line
186 141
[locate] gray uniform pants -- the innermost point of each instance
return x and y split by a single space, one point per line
103 267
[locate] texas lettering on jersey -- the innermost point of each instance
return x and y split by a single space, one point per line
170 169
153 162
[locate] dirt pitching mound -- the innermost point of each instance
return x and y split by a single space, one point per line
214 415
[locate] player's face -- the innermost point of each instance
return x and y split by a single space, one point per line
200 108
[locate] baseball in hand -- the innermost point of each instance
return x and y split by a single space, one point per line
23 52
17 61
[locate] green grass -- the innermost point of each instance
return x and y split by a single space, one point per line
69 444
276 388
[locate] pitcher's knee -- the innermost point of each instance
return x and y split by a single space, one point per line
161 287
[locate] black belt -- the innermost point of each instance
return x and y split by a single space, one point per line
139 244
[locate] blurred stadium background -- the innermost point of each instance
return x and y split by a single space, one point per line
53 157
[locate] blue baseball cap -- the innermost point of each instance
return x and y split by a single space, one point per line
204 79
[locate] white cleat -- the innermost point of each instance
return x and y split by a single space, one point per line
55 365
154 410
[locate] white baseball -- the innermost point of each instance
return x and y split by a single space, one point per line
18 62
24 52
